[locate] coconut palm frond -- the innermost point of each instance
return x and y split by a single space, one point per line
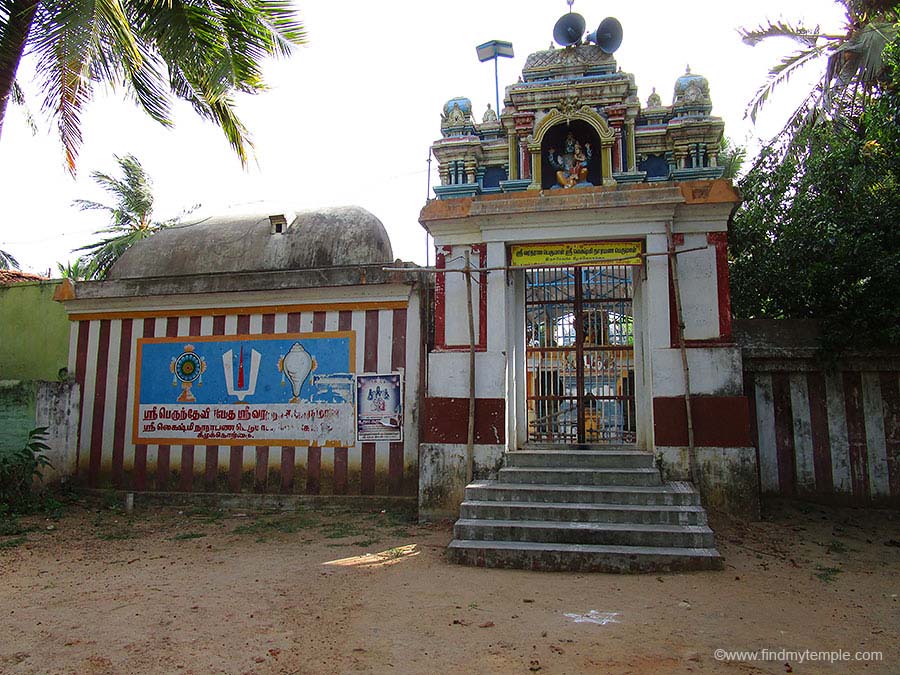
76 271
156 51
806 36
216 49
18 97
130 215
779 75
860 56
8 261
77 44
853 63
102 255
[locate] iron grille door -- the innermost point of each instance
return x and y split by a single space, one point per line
580 354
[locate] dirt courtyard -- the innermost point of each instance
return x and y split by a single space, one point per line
328 590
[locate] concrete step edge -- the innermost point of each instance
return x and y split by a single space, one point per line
578 469
589 506
581 446
563 525
607 549
664 488
582 453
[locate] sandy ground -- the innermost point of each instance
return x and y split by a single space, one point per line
330 591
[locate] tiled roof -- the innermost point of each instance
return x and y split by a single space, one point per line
15 276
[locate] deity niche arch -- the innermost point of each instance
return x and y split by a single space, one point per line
571 156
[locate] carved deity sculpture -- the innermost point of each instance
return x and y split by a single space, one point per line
456 115
571 165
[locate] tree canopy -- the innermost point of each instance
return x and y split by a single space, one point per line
818 233
130 216
200 51
853 69
8 261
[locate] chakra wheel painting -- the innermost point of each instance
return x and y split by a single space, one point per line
187 368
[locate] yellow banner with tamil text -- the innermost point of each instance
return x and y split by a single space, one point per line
576 253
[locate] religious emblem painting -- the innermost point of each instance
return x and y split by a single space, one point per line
379 402
246 390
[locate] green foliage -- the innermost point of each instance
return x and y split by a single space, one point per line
76 271
287 524
12 543
200 52
827 574
130 215
19 468
731 158
8 261
817 235
853 72
185 536
10 525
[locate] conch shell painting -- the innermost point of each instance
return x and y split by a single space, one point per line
296 366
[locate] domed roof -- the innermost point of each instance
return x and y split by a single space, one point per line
333 237
465 105
691 89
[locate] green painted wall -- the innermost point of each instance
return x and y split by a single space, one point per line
16 413
34 332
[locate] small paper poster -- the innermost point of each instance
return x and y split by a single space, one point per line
379 407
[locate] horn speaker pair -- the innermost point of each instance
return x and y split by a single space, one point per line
570 28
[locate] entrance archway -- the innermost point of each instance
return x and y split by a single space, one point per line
579 332
555 139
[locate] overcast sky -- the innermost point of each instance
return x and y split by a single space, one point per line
350 117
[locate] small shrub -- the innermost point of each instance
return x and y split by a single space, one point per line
10 525
184 536
12 543
827 574
19 468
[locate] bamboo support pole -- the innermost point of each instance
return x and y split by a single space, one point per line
673 264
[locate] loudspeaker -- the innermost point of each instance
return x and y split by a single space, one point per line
569 29
608 35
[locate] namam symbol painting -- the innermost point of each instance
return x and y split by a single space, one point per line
295 389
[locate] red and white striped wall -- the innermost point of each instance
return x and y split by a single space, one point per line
827 434
102 356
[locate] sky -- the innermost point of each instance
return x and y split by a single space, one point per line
350 116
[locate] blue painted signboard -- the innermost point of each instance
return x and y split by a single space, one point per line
295 389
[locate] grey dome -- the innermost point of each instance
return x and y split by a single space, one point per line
333 237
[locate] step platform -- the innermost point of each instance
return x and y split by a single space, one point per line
583 509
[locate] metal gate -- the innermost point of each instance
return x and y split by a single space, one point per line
580 354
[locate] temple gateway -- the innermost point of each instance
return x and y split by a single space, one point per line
582 301
563 382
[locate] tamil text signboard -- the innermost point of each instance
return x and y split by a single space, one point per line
576 253
296 389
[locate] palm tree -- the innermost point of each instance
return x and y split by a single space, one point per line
200 51
853 62
76 271
131 218
731 157
8 261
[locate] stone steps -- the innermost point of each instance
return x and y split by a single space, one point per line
579 476
555 532
583 512
583 508
581 558
597 459
668 494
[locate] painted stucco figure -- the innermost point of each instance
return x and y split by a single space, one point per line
571 165
187 368
296 365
